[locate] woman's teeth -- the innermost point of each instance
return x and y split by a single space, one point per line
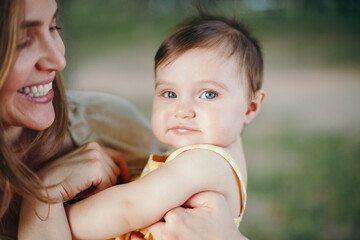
36 91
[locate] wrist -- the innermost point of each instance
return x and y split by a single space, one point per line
52 190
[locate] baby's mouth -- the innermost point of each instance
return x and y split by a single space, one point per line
36 91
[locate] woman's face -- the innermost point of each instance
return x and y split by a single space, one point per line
26 96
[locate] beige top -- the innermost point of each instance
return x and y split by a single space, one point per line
113 122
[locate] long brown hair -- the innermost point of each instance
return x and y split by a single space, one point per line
15 176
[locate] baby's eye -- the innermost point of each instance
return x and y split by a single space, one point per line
169 94
209 95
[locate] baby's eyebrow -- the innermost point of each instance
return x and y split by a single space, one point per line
161 82
215 83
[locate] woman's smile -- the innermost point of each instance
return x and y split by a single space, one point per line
36 90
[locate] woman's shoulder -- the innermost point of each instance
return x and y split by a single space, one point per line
93 115
89 111
99 102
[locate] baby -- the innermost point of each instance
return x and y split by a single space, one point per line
208 86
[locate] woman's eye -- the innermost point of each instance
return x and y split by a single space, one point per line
25 43
55 28
208 95
169 94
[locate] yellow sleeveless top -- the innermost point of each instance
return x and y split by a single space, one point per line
156 161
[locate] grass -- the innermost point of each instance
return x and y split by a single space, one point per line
313 188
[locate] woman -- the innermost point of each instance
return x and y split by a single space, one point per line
42 138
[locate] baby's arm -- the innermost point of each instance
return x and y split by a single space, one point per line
123 208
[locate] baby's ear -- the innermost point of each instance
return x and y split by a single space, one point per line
254 106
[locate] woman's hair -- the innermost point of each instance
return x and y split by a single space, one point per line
15 176
209 31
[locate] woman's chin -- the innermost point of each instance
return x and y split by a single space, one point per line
41 123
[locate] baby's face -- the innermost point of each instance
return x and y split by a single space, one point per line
199 98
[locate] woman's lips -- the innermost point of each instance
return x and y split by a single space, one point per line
38 93
48 97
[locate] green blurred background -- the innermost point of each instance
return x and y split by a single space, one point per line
303 150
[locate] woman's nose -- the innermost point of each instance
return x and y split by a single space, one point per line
185 109
52 55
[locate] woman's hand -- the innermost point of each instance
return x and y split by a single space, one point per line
89 167
206 216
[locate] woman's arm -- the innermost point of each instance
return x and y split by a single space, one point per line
127 207
87 166
39 220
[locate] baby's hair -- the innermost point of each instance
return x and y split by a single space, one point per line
210 31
